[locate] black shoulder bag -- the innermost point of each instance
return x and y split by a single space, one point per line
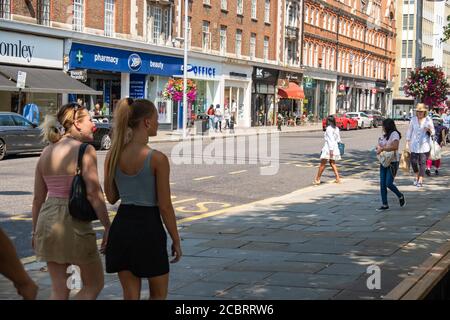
79 206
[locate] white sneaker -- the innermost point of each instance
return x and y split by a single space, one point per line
415 182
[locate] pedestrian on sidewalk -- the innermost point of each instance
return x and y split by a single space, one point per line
389 142
232 122
218 118
330 151
227 117
12 268
58 238
439 138
210 114
139 176
418 140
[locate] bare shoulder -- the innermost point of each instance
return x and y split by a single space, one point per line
159 159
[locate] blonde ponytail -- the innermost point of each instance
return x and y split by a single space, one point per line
52 130
120 128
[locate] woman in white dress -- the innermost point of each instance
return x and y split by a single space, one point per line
330 151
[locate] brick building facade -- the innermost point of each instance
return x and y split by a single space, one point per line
241 52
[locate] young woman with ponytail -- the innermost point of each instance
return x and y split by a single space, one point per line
139 177
58 238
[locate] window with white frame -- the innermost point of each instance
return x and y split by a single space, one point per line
5 9
324 21
266 48
109 18
323 58
78 15
158 23
254 7
291 52
332 60
238 42
339 62
267 12
223 5
223 40
334 24
316 56
307 14
317 18
189 32
206 36
240 7
291 14
329 22
305 54
310 60
43 12
313 14
253 45
208 2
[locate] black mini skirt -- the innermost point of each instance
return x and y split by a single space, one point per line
137 242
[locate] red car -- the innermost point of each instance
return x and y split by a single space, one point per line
342 122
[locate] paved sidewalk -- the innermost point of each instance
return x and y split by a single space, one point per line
171 136
315 243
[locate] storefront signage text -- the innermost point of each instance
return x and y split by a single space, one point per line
100 58
16 50
202 71
28 50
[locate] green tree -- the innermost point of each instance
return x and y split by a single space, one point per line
447 31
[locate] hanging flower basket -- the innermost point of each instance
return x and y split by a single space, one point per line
427 84
174 90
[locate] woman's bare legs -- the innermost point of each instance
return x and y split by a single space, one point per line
58 274
92 278
131 285
323 163
159 287
335 169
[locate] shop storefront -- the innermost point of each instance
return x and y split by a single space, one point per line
121 73
320 93
237 80
41 59
358 95
206 75
290 95
264 91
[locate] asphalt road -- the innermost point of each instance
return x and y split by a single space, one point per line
200 186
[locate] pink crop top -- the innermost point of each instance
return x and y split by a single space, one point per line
58 186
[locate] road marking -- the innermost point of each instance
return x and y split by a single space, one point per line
305 165
204 178
185 200
21 217
202 208
237 172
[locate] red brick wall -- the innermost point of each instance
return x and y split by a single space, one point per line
94 17
232 21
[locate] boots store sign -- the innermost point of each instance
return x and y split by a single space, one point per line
28 50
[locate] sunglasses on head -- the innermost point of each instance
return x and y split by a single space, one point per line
130 101
75 107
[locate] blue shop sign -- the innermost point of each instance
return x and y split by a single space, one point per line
100 58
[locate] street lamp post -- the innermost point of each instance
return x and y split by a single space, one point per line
185 106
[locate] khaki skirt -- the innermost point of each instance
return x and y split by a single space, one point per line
62 239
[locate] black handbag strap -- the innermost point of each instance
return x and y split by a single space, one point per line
81 151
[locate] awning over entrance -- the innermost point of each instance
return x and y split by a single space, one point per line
6 85
293 91
45 81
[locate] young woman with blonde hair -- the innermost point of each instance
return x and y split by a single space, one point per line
139 176
58 238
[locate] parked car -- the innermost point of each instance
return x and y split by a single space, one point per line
102 133
362 118
376 117
18 135
342 122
